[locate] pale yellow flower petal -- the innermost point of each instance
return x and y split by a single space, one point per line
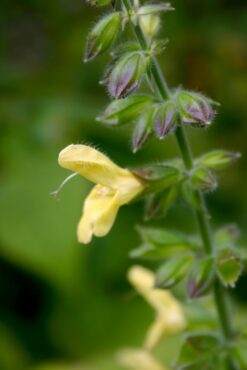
138 359
97 167
156 331
115 187
170 318
99 213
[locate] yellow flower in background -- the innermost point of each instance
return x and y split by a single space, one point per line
138 359
169 314
115 187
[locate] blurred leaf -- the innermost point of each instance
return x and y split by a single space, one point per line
239 352
227 235
157 205
13 354
197 351
160 243
172 271
161 237
149 252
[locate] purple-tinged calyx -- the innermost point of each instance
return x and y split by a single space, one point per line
102 36
143 129
195 109
165 119
126 75
201 277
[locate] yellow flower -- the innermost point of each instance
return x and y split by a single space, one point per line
169 315
138 359
115 187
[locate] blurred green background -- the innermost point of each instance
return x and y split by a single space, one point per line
64 303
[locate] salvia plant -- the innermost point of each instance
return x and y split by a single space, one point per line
209 263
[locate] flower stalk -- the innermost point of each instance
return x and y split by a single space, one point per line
201 214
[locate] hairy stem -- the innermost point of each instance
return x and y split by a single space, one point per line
201 213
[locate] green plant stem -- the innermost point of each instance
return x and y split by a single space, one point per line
201 213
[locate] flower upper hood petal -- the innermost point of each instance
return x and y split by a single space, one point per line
96 167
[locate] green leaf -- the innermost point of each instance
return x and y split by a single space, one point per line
150 252
197 351
201 277
160 243
124 111
228 266
162 237
173 271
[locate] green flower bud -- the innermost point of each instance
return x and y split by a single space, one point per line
228 266
165 119
150 25
201 277
218 159
126 75
124 111
204 179
195 109
143 129
154 8
103 35
149 19
99 2
172 271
